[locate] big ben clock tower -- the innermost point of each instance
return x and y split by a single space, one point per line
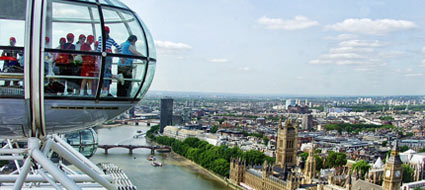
393 170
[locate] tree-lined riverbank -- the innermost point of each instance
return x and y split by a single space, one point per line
213 158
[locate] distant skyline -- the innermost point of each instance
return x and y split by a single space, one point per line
306 47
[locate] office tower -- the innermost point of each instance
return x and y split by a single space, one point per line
166 113
289 102
307 122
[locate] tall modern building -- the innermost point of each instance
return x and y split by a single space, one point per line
289 102
307 123
166 113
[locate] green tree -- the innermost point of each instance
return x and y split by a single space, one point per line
403 148
319 162
304 156
253 157
384 143
265 140
407 173
214 129
362 167
221 166
335 159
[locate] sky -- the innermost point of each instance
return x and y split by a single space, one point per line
302 47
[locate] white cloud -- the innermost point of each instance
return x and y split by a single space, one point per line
337 62
423 63
350 50
218 60
172 46
342 37
423 49
360 43
355 52
298 22
341 56
374 27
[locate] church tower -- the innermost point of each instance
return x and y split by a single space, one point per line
286 144
310 166
393 170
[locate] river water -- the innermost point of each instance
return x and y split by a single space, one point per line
175 174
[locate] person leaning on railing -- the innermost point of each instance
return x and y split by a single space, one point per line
125 65
11 65
108 62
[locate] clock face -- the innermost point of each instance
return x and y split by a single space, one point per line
397 173
388 173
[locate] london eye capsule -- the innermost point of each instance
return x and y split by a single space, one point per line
84 141
68 65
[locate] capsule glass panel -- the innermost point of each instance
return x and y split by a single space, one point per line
71 63
85 141
12 36
67 77
148 80
152 50
125 37
113 3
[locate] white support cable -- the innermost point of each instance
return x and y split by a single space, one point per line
13 151
46 148
82 166
49 179
25 170
80 178
11 158
51 168
67 168
16 161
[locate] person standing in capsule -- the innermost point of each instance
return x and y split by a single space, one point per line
108 63
125 65
88 66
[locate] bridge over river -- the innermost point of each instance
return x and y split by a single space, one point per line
132 147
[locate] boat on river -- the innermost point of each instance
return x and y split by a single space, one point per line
156 164
151 158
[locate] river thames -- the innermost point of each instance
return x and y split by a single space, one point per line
175 174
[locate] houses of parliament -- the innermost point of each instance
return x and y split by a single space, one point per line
288 174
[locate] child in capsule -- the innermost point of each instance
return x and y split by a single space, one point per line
88 66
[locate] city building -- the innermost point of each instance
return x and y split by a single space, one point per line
285 175
166 117
391 179
307 123
289 102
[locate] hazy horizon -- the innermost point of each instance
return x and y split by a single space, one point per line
287 47
151 92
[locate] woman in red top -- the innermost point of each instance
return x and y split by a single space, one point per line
88 66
